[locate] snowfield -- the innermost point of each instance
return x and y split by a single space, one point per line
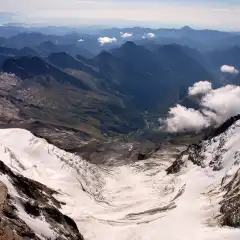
132 202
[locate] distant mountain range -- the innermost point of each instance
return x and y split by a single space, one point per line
106 90
108 93
19 37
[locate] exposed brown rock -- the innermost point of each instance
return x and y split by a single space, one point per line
36 204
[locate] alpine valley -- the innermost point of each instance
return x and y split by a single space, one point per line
84 150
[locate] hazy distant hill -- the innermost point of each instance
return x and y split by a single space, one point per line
48 47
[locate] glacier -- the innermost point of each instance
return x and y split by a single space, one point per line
137 201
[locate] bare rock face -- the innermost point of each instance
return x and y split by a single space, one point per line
224 127
230 205
36 201
5 231
11 227
194 154
3 195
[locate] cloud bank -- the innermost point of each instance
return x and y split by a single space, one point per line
125 35
229 69
105 40
183 119
215 107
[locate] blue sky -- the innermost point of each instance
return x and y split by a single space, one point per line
215 14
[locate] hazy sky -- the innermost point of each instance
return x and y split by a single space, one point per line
217 14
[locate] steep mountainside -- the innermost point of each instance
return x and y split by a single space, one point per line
30 67
229 56
59 100
152 77
104 96
11 52
47 48
225 56
66 61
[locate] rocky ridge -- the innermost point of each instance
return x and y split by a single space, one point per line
218 152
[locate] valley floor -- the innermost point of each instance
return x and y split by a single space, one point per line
132 202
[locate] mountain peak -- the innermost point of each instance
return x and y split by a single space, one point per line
130 48
128 45
60 54
186 28
104 55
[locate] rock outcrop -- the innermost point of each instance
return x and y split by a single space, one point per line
25 204
218 153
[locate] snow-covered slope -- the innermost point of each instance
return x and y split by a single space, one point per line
141 200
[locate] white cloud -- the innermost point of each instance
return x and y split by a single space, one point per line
148 35
215 107
224 102
200 88
104 40
125 35
229 69
81 40
183 119
151 35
